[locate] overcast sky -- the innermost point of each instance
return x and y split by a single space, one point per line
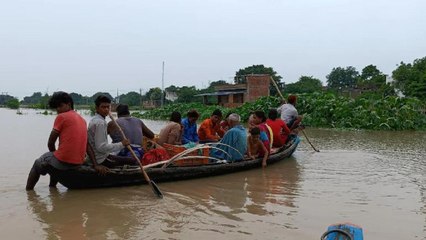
86 46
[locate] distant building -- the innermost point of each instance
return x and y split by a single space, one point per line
171 96
151 104
390 80
234 95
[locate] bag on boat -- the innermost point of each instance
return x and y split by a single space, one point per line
155 155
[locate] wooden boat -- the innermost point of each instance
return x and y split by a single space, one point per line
87 177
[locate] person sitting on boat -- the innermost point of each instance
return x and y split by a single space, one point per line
266 135
255 147
134 129
70 128
233 145
172 132
289 113
210 130
279 128
190 127
224 126
99 149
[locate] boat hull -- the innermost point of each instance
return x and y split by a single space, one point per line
87 177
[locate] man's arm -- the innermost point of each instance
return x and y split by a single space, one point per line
54 134
101 140
102 170
210 135
249 150
284 128
146 131
111 128
266 153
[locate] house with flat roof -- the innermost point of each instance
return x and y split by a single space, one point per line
234 95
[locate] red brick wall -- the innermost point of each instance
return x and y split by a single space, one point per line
257 86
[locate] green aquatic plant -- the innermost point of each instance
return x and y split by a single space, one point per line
324 110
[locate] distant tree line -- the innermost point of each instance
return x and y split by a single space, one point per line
409 78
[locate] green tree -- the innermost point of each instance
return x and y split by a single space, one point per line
342 78
93 98
258 69
131 98
371 77
43 102
13 103
4 98
172 88
411 78
33 99
306 84
154 94
79 99
186 95
217 83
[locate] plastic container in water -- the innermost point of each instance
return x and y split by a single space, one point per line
343 231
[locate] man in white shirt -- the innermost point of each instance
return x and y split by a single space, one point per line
289 112
98 148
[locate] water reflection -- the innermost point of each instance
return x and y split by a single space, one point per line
277 186
100 214
247 195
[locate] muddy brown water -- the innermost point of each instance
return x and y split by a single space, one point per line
373 179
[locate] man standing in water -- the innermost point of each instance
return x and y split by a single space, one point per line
71 130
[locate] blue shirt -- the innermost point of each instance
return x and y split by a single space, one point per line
189 132
234 143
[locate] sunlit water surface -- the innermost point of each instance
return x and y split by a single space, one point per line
373 179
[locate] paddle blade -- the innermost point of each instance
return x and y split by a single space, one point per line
155 189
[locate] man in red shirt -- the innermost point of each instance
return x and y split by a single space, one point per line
71 129
279 128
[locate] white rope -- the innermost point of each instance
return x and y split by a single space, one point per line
184 157
219 143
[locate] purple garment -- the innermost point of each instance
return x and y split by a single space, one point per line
132 128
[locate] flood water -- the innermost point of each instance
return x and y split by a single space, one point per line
376 180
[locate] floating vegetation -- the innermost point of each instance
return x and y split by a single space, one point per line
324 110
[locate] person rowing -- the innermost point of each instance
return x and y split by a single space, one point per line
134 129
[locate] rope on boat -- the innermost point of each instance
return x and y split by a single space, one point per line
219 143
189 150
182 155
130 168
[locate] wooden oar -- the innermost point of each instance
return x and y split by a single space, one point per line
154 186
278 90
307 139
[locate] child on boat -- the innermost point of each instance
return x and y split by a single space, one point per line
255 146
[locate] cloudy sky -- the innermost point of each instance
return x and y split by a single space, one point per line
87 46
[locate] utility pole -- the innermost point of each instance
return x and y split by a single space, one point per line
140 97
162 87
117 100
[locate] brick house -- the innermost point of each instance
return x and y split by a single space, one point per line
234 95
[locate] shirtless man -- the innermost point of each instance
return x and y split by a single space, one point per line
255 146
